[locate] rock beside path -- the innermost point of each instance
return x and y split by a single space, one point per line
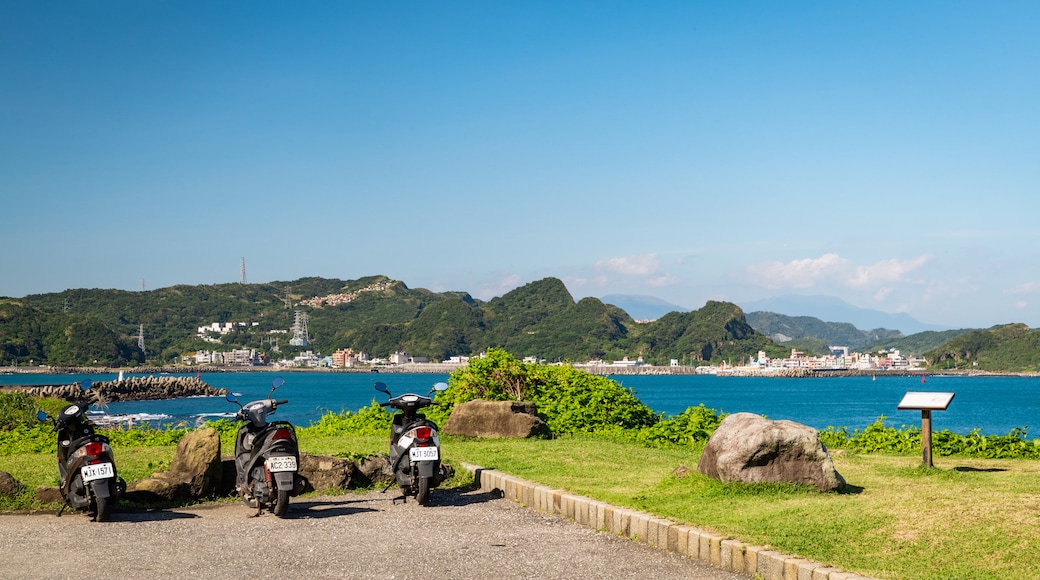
495 419
751 449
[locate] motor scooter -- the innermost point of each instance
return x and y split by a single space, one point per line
88 480
414 445
267 456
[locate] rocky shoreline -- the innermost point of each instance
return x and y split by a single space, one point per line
131 389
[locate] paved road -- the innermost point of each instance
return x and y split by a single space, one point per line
457 536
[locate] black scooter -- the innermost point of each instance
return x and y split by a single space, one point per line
267 456
86 466
415 449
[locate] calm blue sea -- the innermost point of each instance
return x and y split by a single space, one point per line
995 405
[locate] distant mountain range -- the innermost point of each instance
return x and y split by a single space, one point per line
825 308
642 307
831 309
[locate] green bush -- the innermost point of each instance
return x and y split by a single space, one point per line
371 420
568 400
694 426
877 438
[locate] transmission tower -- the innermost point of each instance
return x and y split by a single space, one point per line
140 338
243 279
299 329
142 284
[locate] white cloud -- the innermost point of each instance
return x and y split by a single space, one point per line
498 287
659 281
1027 288
804 273
886 271
641 265
833 269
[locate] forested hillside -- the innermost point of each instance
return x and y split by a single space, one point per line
1012 347
375 315
783 328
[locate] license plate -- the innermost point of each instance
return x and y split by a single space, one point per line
280 463
424 454
97 471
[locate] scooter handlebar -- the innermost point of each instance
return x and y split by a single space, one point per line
281 402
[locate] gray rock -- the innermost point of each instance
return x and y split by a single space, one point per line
195 472
375 469
326 473
495 419
750 448
48 494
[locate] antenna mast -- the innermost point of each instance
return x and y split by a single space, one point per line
243 280
140 338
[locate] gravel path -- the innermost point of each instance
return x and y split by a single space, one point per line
459 535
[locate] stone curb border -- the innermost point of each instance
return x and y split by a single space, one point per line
731 555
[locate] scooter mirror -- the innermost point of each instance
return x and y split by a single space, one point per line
231 398
277 383
381 387
440 387
41 415
85 384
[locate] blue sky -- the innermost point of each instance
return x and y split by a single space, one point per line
887 153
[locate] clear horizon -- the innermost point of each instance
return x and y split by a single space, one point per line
882 153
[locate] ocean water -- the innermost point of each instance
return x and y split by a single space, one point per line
994 405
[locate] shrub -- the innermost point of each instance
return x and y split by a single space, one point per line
568 400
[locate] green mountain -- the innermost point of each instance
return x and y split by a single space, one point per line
814 335
1011 347
917 344
375 314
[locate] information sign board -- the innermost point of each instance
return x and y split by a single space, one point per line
916 401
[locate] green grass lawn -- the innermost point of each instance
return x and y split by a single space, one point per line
963 519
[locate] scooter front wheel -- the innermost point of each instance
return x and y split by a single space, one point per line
281 503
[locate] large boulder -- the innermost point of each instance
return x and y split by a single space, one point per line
9 486
374 469
750 448
48 494
495 419
326 473
195 472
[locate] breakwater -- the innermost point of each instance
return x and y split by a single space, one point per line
131 389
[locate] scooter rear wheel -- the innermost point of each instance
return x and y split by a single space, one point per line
103 509
422 492
281 504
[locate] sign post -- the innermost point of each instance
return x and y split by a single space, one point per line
926 403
